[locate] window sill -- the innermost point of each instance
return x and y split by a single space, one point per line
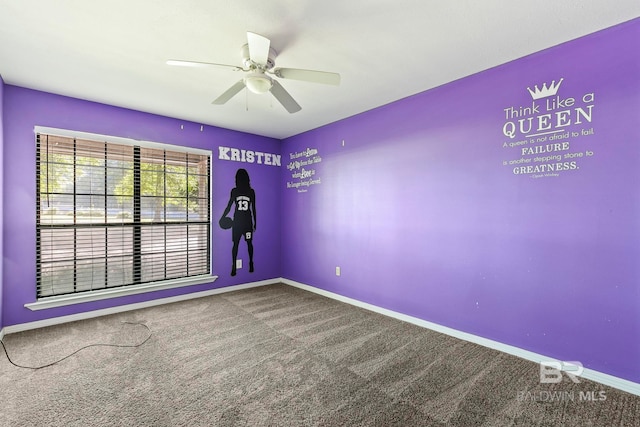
64 300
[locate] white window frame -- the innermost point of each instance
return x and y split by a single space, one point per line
101 294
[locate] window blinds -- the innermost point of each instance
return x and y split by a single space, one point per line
111 214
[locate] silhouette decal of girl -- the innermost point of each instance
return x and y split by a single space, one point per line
244 216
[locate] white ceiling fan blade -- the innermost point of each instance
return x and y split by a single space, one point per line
258 48
308 76
181 63
284 98
230 93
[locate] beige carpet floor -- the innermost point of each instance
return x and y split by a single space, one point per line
281 356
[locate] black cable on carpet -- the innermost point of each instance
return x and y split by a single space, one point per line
80 349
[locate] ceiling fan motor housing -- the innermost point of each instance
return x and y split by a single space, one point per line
249 64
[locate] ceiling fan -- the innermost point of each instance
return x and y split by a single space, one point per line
258 60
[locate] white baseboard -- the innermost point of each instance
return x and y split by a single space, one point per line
590 374
122 308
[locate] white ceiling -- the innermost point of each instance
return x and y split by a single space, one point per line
114 51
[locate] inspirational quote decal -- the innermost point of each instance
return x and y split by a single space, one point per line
302 166
546 136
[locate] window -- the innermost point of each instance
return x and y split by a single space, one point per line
118 213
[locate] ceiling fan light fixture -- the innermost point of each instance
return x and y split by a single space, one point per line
258 83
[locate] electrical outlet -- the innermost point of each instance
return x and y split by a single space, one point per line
238 264
337 271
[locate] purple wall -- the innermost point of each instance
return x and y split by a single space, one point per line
24 109
1 196
428 213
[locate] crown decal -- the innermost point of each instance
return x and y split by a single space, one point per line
538 93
